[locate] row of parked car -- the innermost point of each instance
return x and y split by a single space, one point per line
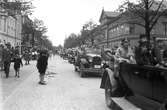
138 87
85 62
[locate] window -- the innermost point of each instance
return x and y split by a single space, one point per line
127 30
165 28
4 25
153 31
1 24
131 29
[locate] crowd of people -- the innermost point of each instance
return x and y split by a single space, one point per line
153 54
9 54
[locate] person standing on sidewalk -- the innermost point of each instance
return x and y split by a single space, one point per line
7 59
1 57
17 63
42 64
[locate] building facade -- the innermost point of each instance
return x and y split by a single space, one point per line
118 26
10 29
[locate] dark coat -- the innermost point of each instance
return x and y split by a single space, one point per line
144 57
17 62
6 55
42 63
165 54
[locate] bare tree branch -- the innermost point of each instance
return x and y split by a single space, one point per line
156 12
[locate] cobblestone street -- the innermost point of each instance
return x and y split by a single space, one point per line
65 90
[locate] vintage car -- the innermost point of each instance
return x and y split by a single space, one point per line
141 87
64 55
88 62
71 56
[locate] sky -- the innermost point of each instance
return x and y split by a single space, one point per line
63 17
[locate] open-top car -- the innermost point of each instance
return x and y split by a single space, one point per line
139 87
88 62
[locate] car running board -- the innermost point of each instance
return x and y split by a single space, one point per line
120 103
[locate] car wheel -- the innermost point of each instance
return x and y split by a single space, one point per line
108 90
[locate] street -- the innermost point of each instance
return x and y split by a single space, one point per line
65 89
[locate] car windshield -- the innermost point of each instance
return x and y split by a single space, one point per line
92 51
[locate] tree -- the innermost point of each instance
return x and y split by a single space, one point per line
38 30
45 42
149 11
17 7
86 33
71 41
39 25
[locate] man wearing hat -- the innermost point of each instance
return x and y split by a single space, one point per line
143 54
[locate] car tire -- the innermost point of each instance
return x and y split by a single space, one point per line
108 89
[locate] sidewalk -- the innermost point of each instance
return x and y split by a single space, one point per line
8 85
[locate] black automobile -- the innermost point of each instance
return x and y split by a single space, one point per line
88 62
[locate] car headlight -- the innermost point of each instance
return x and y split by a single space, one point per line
90 59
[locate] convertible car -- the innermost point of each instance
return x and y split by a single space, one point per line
143 86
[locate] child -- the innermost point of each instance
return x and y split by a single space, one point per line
17 63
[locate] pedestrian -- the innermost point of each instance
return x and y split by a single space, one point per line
17 63
27 57
7 58
42 64
1 55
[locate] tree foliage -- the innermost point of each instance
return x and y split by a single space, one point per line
17 7
39 26
149 11
45 42
87 32
71 41
86 35
37 30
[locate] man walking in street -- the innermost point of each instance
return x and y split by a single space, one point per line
42 64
